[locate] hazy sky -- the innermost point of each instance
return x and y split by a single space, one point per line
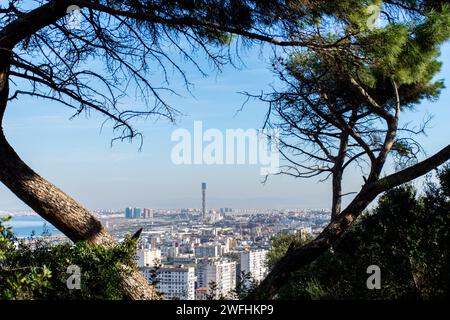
78 158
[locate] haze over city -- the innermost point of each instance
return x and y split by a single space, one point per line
264 154
77 155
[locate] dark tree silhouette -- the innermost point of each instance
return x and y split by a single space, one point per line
43 56
342 107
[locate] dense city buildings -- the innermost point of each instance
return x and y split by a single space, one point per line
205 258
192 253
208 251
138 213
198 254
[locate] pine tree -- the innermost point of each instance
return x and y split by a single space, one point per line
341 106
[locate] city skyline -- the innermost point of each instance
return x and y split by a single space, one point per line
224 150
79 159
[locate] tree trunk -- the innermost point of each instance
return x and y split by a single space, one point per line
337 176
299 257
337 193
52 204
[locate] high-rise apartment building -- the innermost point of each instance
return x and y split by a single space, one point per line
128 213
147 257
221 273
137 213
147 213
254 262
208 251
173 283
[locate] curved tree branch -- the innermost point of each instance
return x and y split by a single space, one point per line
298 257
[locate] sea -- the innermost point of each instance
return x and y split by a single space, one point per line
25 226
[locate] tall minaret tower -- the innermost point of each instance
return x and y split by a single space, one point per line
204 200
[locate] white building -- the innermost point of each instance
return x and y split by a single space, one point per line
147 257
230 245
174 283
183 259
172 252
222 273
254 262
214 217
208 251
305 232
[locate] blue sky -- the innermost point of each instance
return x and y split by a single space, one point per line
78 158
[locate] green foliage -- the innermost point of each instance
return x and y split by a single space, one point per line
153 279
406 51
315 290
245 284
281 243
358 83
407 235
38 269
6 237
213 292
